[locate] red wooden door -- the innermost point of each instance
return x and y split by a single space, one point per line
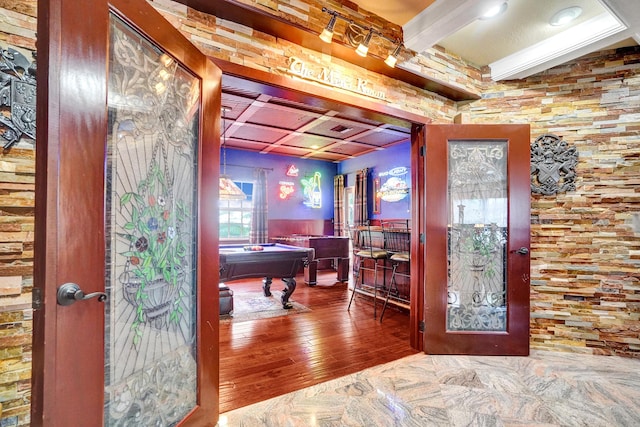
127 155
477 185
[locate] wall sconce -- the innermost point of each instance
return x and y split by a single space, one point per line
363 47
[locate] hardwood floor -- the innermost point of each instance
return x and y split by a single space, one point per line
261 359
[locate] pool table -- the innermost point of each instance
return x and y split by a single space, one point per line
267 260
334 248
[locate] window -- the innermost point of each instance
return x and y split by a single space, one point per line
235 215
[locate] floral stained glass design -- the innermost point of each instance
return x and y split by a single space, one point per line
153 107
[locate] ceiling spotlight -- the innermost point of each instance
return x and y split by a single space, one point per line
565 16
393 57
363 48
327 33
495 10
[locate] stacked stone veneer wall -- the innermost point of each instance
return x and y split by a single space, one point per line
433 63
585 244
242 45
17 194
585 290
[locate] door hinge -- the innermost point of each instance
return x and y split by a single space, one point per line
422 151
421 326
421 237
36 298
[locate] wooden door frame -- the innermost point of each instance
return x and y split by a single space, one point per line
282 87
514 340
72 51
418 223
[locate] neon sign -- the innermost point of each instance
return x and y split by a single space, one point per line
399 171
285 190
395 188
312 191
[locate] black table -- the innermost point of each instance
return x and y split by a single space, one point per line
335 248
272 260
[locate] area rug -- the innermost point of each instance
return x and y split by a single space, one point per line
254 305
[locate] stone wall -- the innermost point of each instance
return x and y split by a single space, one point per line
17 194
585 247
585 244
433 63
242 45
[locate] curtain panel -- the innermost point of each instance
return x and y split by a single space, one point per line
338 205
259 217
361 215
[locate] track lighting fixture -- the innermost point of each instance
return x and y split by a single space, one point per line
363 47
327 33
393 57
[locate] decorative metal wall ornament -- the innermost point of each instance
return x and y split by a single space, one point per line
18 96
553 165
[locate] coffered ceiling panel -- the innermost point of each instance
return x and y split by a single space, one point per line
381 137
244 144
277 116
266 124
350 149
234 105
307 141
330 157
336 128
291 151
253 132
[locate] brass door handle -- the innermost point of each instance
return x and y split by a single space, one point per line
70 293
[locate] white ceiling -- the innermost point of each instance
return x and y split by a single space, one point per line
519 42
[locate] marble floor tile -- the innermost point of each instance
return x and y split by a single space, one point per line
543 389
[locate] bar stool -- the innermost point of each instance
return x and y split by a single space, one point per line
370 250
355 246
397 239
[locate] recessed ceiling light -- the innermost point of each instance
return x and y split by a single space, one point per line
565 15
494 11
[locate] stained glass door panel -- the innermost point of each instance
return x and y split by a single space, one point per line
477 212
121 197
477 215
153 107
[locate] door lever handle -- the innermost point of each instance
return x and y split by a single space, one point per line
70 293
522 251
